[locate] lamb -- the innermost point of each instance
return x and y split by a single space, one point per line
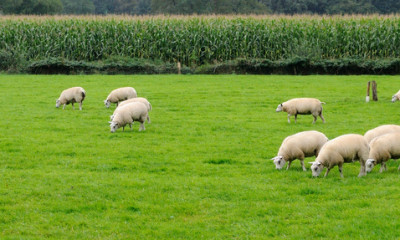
378 131
302 106
135 111
137 99
396 96
120 94
382 149
298 146
71 95
343 149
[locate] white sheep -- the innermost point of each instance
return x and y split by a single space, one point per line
137 99
120 94
298 146
135 111
343 149
71 95
302 106
396 96
378 131
382 149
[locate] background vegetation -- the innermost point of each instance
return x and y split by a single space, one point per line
201 170
309 42
141 7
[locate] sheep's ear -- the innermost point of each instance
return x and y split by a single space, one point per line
273 158
110 122
311 163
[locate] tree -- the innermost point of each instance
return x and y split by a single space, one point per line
31 6
78 6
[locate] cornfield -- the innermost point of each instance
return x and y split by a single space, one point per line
198 40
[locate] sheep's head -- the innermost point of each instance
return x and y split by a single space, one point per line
279 162
58 103
394 98
279 108
113 126
369 165
316 168
112 117
107 103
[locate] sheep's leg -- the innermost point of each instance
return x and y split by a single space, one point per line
322 117
398 169
148 119
383 167
341 170
295 118
80 106
123 128
73 108
141 128
288 118
130 126
302 165
362 170
315 119
327 171
64 106
288 165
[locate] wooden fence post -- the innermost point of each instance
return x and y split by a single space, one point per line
374 91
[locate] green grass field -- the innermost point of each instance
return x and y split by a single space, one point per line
201 170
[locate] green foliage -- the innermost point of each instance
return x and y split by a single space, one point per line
201 170
11 61
196 41
39 7
78 7
141 7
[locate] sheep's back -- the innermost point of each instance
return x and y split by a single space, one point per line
303 105
308 142
386 143
381 130
347 146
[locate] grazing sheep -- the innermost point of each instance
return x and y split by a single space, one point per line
137 99
120 94
135 111
382 149
71 95
396 96
298 146
343 149
302 106
378 131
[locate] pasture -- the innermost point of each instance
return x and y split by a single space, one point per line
201 170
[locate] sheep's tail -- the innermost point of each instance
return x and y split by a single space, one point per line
323 102
150 106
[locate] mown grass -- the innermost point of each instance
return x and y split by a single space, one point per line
201 170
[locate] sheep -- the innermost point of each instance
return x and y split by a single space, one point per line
382 149
120 94
71 95
135 111
396 97
378 131
298 146
137 99
343 149
302 106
